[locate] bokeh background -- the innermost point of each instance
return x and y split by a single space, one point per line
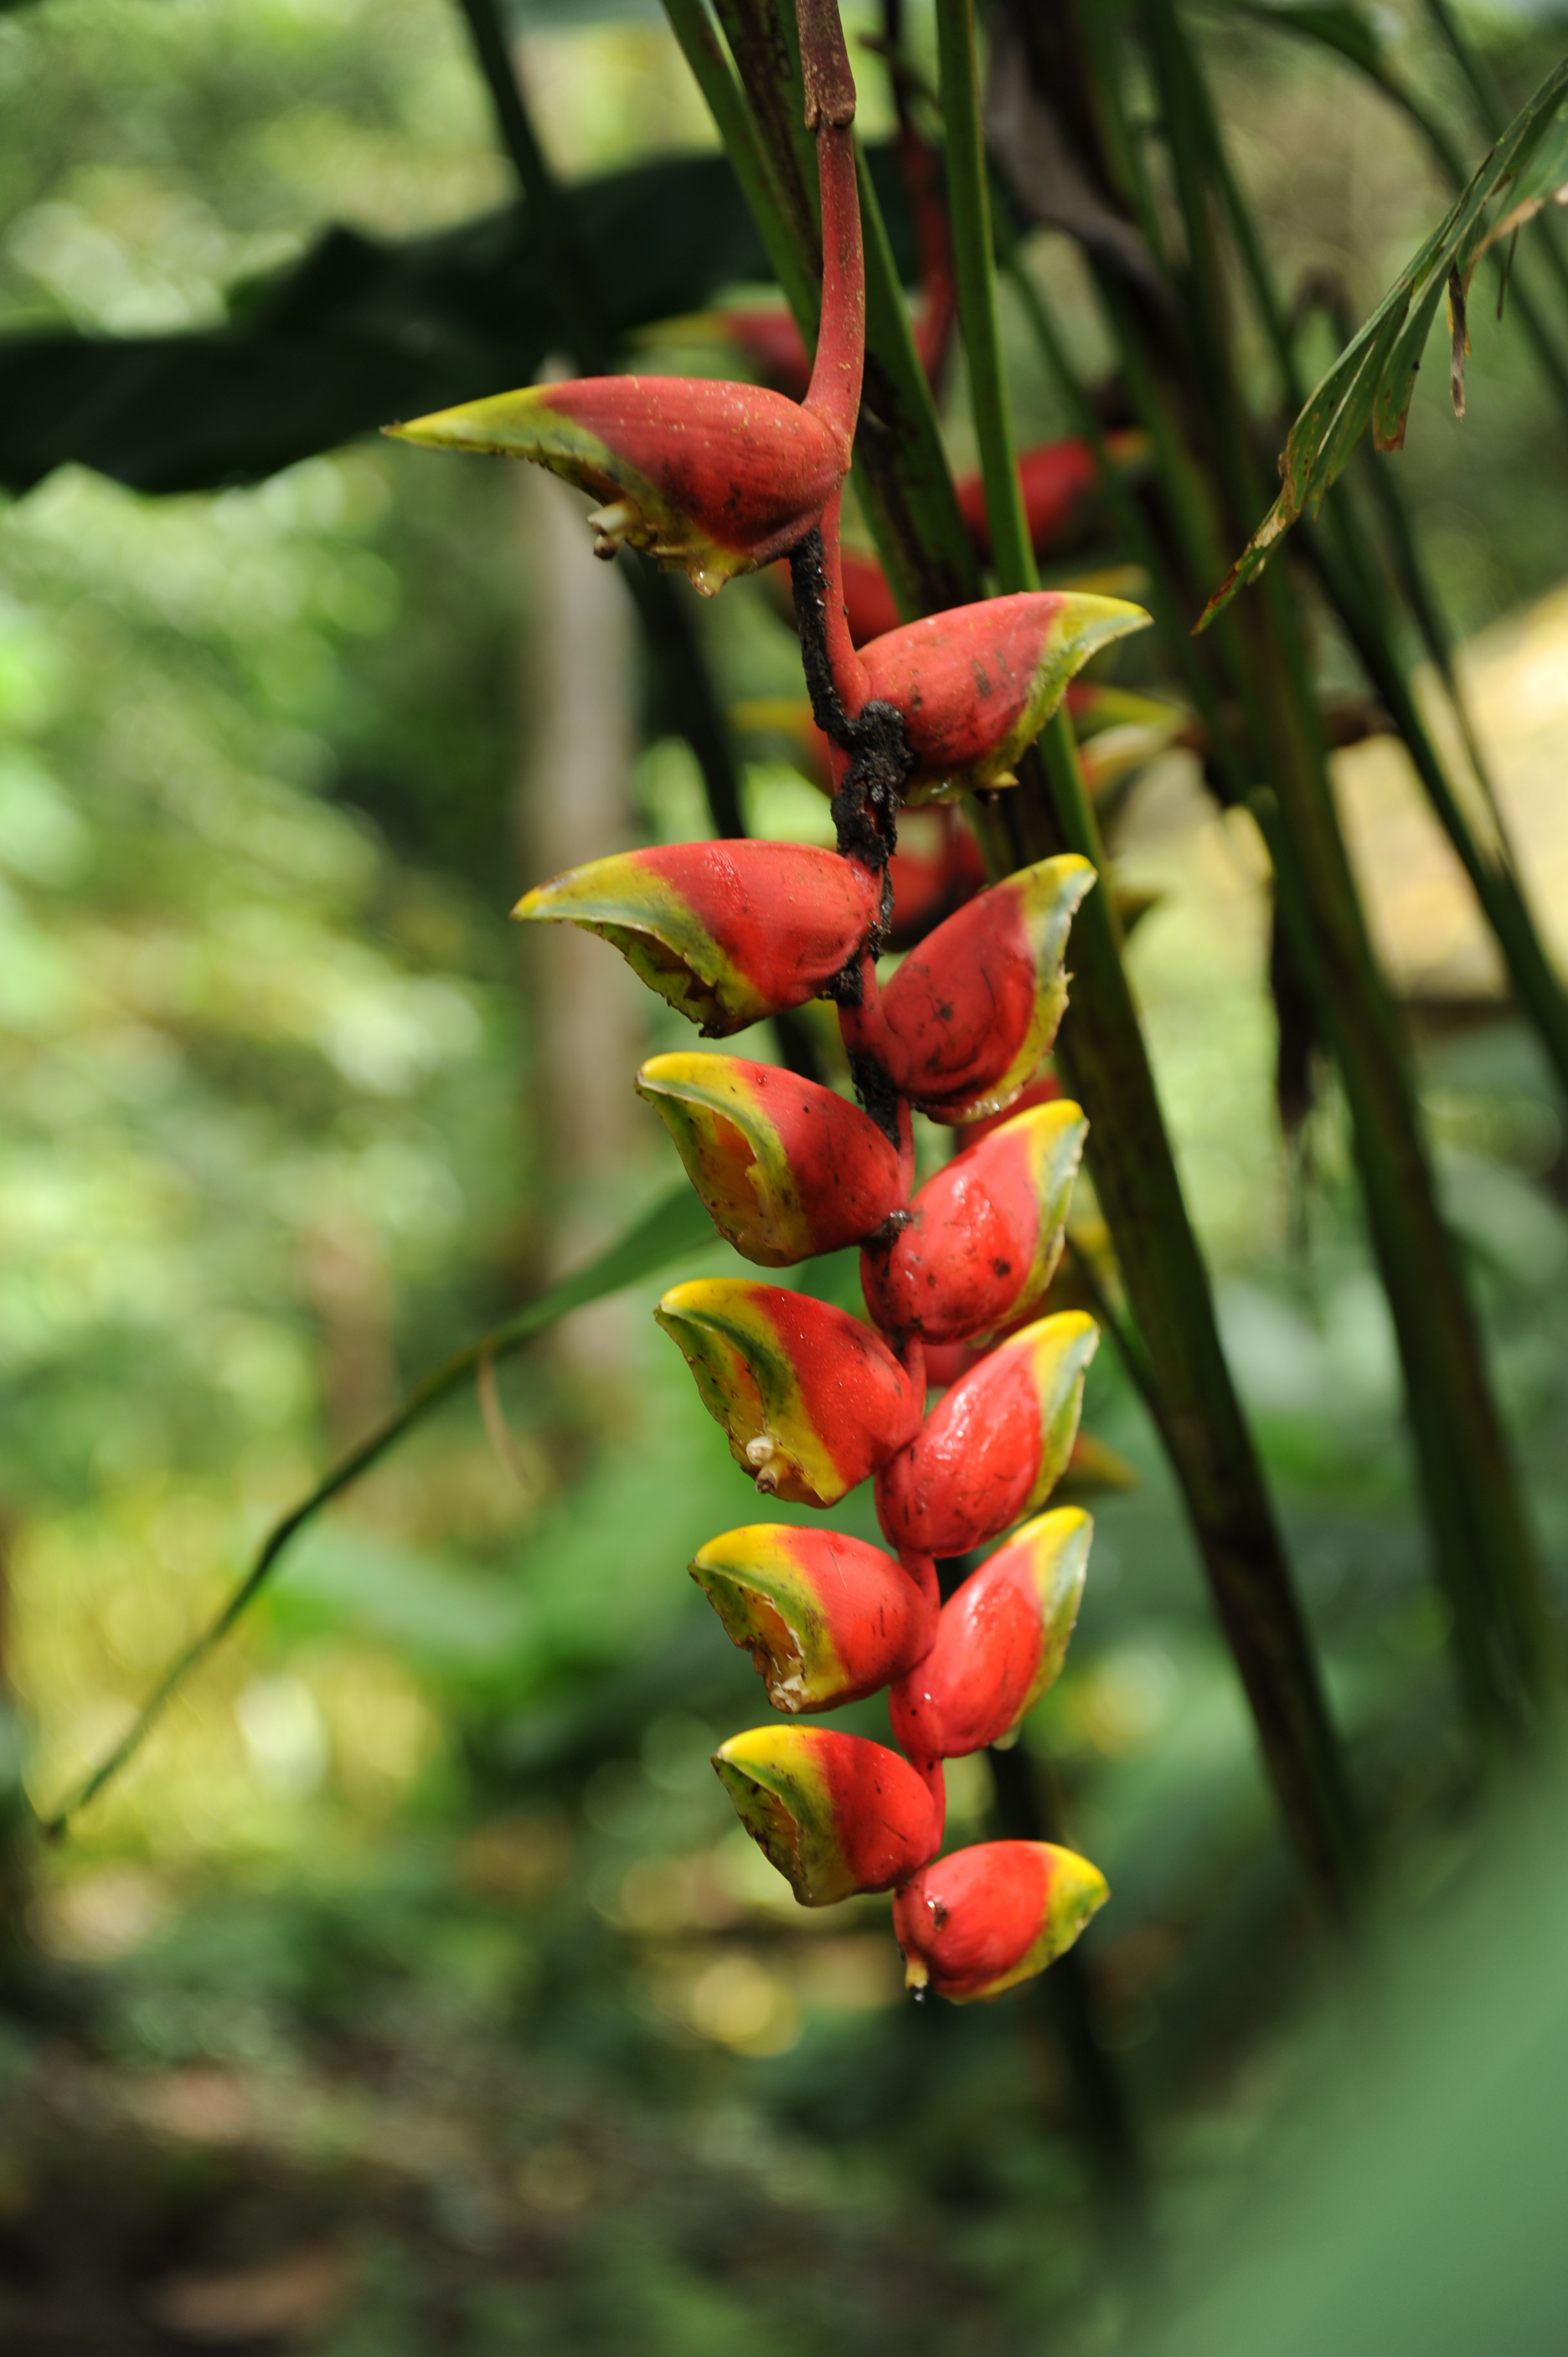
415 1989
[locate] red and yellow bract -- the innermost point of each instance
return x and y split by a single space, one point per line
1001 1642
967 1019
996 1444
813 1401
984 1919
826 1619
985 1235
835 1814
784 1168
976 684
726 932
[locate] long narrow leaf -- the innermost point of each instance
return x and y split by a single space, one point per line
674 1226
1373 379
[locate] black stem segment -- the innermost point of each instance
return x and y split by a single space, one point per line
865 806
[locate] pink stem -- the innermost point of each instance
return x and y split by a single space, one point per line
834 389
833 392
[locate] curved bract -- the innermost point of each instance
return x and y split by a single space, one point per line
813 1401
717 479
833 1812
977 683
826 1619
784 1168
1000 1643
971 1013
996 1445
985 1919
726 932
985 1235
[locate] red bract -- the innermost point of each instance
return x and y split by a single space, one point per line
726 932
785 1167
826 1619
813 1402
834 1814
996 1445
1000 1644
985 1235
717 479
969 1015
984 1919
977 683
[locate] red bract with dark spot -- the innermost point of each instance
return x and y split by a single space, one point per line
969 1015
980 1921
994 1446
984 1237
976 684
714 477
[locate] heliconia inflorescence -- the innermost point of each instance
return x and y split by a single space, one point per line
720 479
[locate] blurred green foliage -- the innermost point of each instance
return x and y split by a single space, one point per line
422 1937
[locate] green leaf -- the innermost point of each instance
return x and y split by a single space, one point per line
363 330
1373 381
1348 30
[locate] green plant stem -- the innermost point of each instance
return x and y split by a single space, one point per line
765 44
788 257
903 479
1103 1055
1165 596
676 1225
968 206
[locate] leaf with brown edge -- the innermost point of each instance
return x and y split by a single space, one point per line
1373 381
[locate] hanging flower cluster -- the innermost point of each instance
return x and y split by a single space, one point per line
720 479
